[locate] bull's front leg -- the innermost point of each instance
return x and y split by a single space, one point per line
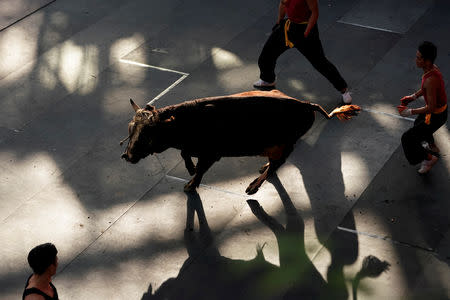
204 163
188 162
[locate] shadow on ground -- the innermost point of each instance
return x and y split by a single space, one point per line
207 275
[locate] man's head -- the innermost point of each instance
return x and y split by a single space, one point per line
42 257
426 54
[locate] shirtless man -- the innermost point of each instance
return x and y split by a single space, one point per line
430 117
43 261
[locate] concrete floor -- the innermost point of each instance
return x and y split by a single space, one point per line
345 194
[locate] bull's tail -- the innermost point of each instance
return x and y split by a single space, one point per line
343 113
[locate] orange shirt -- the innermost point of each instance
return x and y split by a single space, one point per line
298 11
441 95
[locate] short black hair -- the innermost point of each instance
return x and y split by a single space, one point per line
41 257
428 51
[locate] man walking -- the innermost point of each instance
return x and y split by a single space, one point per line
299 30
430 117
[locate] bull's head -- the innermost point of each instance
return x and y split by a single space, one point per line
146 134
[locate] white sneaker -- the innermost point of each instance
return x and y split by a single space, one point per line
261 83
426 165
346 97
432 148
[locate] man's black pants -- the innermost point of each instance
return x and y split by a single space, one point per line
310 47
412 139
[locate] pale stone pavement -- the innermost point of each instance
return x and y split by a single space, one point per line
346 193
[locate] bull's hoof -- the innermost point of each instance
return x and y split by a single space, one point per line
252 188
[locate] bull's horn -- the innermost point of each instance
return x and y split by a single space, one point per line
135 106
149 107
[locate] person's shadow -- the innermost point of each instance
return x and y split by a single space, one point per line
298 275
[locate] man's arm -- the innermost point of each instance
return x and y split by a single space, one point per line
281 11
314 7
418 93
410 98
430 87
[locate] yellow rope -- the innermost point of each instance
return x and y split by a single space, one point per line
437 111
286 29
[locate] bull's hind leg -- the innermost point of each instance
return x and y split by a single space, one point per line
277 156
270 169
188 162
264 168
204 163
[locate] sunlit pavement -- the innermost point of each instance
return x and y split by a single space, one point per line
366 225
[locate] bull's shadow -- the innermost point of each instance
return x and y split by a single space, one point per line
207 275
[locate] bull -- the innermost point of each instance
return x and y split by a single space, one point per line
265 123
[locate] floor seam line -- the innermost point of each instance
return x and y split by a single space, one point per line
110 225
385 238
27 15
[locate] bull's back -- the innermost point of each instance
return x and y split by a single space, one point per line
244 125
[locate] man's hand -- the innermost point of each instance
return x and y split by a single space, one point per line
407 99
306 33
404 111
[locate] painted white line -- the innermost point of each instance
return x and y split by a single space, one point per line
387 114
130 62
168 89
184 75
385 238
208 186
369 27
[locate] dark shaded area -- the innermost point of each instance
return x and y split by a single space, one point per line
208 275
14 17
371 267
414 210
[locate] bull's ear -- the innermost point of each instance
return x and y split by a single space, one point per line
150 107
134 105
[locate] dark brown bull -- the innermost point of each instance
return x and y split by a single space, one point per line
266 123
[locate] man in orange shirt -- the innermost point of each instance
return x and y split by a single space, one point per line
299 30
430 117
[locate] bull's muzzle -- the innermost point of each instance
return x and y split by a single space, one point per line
129 159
